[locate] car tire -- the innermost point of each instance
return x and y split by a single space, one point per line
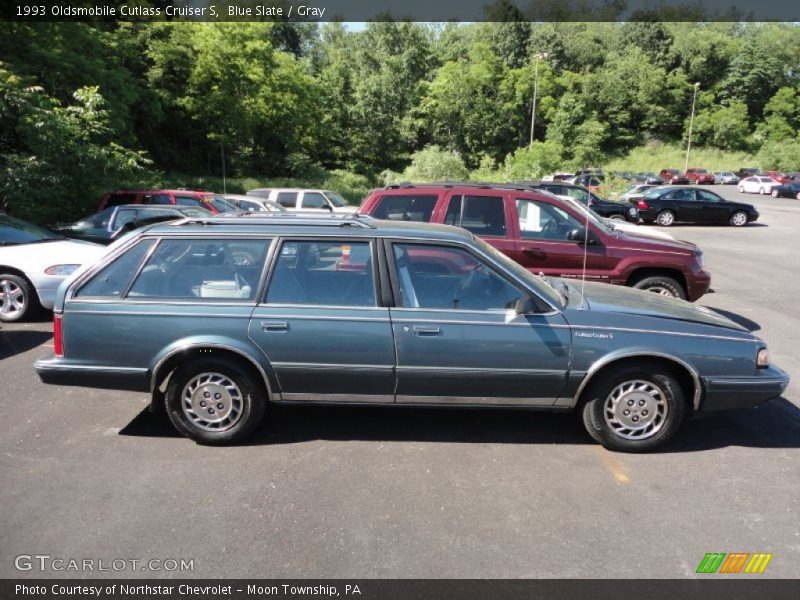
798 196
665 218
761 191
231 397
617 218
774 193
18 299
739 218
649 393
741 189
661 284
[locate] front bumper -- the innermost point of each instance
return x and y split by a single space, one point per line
698 283
727 392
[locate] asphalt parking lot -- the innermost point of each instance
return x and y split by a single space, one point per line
370 492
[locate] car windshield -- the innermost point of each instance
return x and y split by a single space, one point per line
336 199
543 285
14 231
221 204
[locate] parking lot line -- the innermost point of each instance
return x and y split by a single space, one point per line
613 463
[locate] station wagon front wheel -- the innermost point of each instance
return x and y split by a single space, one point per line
215 401
635 408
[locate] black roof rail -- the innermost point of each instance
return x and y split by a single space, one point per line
476 184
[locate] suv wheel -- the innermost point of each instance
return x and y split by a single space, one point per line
215 401
661 284
635 408
17 298
665 218
739 218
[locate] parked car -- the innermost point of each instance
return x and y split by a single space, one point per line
101 227
636 191
626 175
673 177
545 235
779 176
725 177
561 176
748 172
699 176
436 317
617 224
787 190
312 201
254 203
592 182
214 203
648 177
757 184
33 263
603 207
669 205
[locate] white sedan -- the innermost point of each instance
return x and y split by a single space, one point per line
33 263
758 184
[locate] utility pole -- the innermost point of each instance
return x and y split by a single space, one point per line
537 57
691 125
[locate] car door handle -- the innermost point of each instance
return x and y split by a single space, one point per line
537 252
274 325
425 330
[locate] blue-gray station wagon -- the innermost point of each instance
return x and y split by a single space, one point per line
218 316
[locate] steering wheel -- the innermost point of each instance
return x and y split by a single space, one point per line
552 227
478 284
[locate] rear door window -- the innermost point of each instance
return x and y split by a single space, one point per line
188 201
313 200
287 199
409 207
482 215
323 273
210 270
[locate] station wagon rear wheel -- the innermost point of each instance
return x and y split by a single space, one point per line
634 408
215 401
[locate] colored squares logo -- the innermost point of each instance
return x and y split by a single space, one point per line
735 562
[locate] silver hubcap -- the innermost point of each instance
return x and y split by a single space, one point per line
212 402
661 290
666 218
636 409
12 298
739 219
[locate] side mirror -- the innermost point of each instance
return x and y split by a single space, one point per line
327 207
525 306
584 236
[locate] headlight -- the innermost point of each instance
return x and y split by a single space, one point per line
61 270
699 256
762 360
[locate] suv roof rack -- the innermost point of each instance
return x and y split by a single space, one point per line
286 218
476 184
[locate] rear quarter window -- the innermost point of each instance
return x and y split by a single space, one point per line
112 280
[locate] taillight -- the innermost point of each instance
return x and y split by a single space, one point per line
642 205
58 336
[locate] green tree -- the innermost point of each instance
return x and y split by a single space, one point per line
723 126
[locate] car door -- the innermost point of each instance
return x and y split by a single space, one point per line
542 245
456 339
321 326
713 209
683 203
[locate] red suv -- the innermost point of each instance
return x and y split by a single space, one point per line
673 177
180 197
700 176
545 235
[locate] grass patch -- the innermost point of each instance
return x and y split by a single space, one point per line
656 156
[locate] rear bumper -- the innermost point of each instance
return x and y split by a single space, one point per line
59 371
723 393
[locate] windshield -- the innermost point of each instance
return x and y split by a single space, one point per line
336 199
221 204
542 285
13 231
586 213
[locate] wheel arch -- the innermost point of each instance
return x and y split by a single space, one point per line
171 357
686 372
643 272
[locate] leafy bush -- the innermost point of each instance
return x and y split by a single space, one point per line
532 162
432 163
783 156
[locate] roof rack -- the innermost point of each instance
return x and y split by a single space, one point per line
476 184
240 218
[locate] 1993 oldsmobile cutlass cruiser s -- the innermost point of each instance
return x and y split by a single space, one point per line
218 316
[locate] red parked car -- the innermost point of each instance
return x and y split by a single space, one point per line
673 177
700 176
780 177
180 197
546 235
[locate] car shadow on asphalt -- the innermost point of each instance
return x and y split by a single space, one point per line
748 324
774 424
18 341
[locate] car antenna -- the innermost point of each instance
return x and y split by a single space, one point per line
585 252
